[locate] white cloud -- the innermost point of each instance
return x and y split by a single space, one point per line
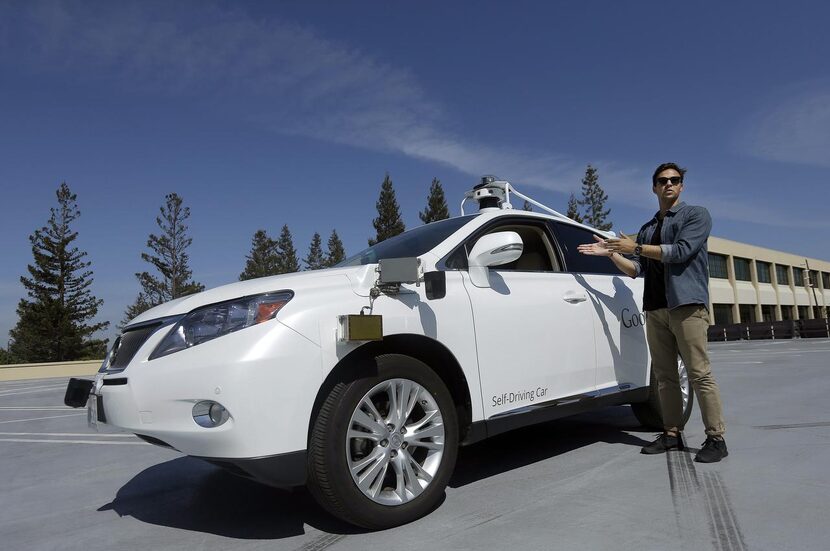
288 78
794 128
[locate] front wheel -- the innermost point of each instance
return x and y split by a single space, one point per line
650 415
383 447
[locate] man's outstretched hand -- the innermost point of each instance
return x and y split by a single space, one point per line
595 249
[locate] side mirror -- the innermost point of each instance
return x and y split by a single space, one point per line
493 249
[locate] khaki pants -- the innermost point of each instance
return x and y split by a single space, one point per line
683 331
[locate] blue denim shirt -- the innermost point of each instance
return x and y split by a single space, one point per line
685 253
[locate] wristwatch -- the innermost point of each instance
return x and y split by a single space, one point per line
638 249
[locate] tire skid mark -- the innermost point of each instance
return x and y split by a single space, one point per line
701 503
690 514
727 530
794 426
321 542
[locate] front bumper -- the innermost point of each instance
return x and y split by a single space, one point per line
266 376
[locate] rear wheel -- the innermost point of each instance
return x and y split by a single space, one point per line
383 447
650 415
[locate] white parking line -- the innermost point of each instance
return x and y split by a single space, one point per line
29 390
35 408
104 434
40 418
74 442
16 384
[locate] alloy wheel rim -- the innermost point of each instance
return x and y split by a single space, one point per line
685 389
395 442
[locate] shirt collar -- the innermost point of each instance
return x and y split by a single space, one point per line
673 210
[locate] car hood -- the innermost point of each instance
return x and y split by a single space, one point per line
356 279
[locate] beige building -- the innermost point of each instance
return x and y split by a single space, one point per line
749 284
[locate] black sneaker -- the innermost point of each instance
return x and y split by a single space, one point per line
713 450
663 443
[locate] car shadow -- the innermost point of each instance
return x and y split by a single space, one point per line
528 445
190 494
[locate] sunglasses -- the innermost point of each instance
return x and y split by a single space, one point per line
674 180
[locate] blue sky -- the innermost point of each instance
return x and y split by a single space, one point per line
269 113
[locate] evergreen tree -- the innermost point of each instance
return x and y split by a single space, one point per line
168 255
436 204
573 209
593 199
263 260
315 259
5 357
54 322
389 222
527 206
336 251
286 253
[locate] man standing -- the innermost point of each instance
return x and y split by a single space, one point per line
671 252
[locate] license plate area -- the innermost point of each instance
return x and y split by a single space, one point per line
95 411
77 392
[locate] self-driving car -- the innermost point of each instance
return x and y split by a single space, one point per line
361 381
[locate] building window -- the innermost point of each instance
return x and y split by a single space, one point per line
786 313
742 270
763 272
723 314
782 274
802 312
747 312
813 279
717 266
798 277
768 312
825 280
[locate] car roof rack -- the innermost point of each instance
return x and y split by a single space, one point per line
494 194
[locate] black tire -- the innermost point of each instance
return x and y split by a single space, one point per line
650 415
329 477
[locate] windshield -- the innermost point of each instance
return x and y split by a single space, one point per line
411 243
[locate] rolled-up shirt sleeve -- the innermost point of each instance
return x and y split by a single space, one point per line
635 259
692 236
638 266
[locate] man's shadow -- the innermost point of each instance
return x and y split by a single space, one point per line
621 301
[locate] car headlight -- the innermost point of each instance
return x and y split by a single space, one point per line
208 322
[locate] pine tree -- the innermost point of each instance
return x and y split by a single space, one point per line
436 204
5 357
573 209
263 260
54 322
593 199
389 222
168 255
336 253
286 253
527 206
315 260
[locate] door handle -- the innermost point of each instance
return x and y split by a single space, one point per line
574 298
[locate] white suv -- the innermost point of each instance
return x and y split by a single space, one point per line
362 380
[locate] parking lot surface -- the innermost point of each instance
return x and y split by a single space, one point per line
577 483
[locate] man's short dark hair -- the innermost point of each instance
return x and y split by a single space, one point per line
667 166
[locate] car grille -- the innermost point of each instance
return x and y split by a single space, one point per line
128 344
